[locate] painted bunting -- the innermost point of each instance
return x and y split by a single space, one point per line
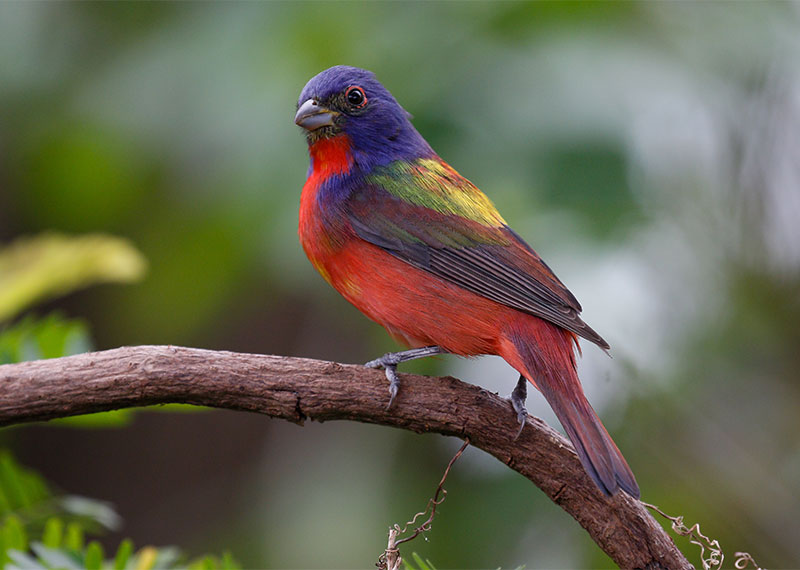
420 250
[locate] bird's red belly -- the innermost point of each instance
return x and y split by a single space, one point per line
416 307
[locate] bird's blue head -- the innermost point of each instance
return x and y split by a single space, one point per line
350 101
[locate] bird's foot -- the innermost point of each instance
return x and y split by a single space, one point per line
390 360
518 396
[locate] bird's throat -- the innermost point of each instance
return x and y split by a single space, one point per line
329 157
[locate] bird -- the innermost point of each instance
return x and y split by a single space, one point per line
423 252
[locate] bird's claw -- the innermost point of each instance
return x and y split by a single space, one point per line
521 419
394 384
390 360
389 363
518 396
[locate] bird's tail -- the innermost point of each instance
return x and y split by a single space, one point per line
545 355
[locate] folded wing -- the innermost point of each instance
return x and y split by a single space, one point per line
429 216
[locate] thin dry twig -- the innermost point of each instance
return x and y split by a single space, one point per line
390 559
744 560
434 502
715 556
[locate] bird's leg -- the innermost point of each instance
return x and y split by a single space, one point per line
390 360
518 395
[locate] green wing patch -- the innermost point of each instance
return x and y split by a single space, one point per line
433 184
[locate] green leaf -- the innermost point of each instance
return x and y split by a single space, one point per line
93 560
13 534
50 265
146 558
58 525
421 564
12 483
73 539
206 563
49 337
110 419
19 487
124 553
53 532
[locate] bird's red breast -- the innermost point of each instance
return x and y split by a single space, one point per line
329 157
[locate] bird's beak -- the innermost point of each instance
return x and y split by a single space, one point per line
312 116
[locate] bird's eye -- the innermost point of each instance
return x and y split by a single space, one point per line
355 97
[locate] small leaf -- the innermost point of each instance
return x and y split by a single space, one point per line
423 564
206 563
53 532
110 419
13 534
49 337
74 537
19 487
94 556
49 265
123 554
146 558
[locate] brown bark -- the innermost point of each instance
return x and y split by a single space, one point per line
297 389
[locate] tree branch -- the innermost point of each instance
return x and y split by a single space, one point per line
297 389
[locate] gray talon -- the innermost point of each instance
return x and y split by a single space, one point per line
518 396
394 384
390 360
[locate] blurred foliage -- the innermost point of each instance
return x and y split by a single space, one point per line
43 531
647 150
36 268
29 510
48 337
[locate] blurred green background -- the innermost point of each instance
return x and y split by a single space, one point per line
650 152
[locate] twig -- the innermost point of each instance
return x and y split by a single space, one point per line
390 559
434 502
715 556
744 560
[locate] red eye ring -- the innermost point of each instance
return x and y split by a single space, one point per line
355 97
